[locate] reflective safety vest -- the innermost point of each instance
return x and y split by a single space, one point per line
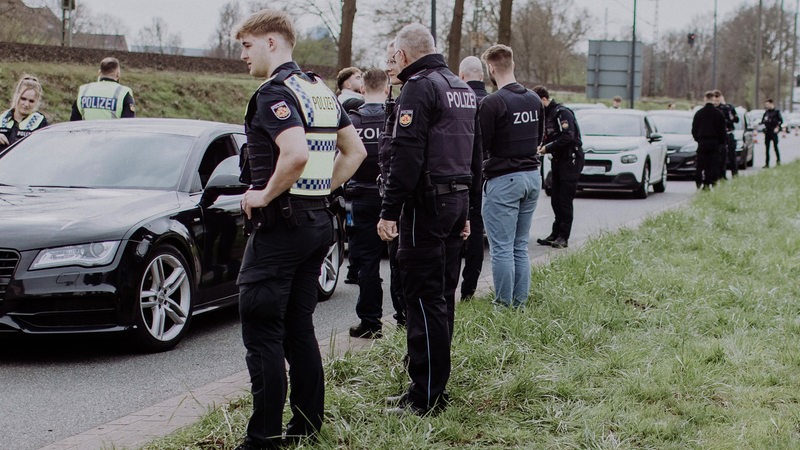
321 114
29 123
102 100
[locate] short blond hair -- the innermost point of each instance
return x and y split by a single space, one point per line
500 56
267 21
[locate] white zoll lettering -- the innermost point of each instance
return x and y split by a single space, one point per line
526 117
461 99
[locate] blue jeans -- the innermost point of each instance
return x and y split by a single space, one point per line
508 205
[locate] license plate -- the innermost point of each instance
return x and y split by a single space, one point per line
594 170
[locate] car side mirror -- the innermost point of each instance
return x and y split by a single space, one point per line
223 181
655 137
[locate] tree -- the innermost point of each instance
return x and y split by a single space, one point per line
222 44
156 38
454 36
346 34
504 23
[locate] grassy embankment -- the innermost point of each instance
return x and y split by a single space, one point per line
220 97
684 333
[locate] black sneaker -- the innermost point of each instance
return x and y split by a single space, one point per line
546 241
365 331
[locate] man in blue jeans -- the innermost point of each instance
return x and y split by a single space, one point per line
512 126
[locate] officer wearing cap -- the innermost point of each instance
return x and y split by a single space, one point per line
562 141
106 98
512 127
294 124
434 171
471 71
364 244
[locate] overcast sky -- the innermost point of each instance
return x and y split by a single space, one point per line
196 20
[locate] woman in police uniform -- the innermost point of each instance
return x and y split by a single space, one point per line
23 118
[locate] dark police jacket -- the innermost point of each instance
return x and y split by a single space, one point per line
729 114
369 121
479 88
563 139
512 125
435 131
15 131
708 128
772 120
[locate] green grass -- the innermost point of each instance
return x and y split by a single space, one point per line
684 333
157 93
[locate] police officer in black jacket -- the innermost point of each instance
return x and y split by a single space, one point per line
512 128
728 157
563 141
471 71
434 170
293 124
365 246
708 129
384 157
772 121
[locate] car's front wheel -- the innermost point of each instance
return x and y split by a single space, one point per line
644 186
661 185
164 303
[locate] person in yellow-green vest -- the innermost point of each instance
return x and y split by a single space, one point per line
105 98
23 118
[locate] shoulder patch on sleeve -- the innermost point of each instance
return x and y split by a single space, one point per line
564 124
281 110
405 117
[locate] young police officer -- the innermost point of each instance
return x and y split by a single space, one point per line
294 125
434 167
471 71
365 246
106 98
512 126
772 121
563 141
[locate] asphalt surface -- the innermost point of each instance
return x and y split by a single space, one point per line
54 387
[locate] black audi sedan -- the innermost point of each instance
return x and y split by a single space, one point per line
125 225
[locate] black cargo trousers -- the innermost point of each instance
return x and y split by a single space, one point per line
429 256
277 326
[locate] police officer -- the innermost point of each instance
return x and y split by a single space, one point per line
708 129
23 118
772 121
728 157
384 156
512 126
434 170
106 98
471 71
365 246
562 141
294 125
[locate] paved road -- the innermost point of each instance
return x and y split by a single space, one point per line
55 387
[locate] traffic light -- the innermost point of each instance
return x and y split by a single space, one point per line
690 38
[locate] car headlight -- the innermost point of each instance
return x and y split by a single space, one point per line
628 159
86 255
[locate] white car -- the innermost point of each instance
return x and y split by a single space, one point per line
623 151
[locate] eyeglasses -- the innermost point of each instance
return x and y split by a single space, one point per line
392 60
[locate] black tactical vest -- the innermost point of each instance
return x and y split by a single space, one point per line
369 121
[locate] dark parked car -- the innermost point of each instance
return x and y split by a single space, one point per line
123 225
676 129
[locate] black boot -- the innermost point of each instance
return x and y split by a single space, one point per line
547 241
559 242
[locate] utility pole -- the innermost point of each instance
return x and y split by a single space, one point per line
778 97
67 6
631 89
794 59
758 56
433 20
714 63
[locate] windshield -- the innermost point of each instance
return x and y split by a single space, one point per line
673 124
604 124
98 159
